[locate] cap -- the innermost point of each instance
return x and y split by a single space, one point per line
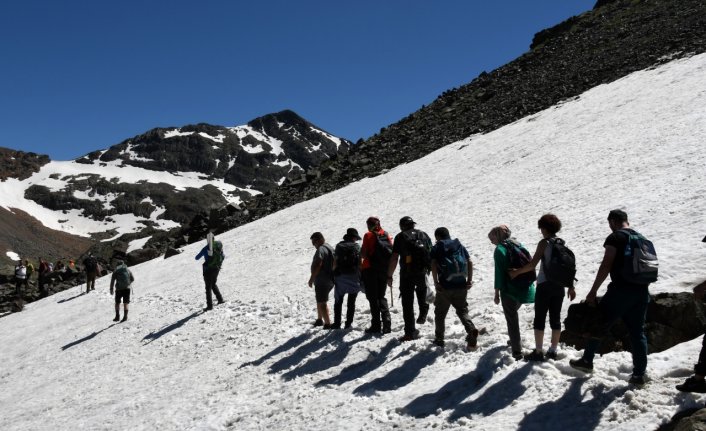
351 233
407 222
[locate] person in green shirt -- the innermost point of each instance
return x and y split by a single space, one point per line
511 296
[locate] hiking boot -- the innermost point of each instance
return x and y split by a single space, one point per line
329 326
535 355
438 342
472 340
581 365
123 319
421 320
348 325
410 337
117 318
319 322
372 330
692 384
207 309
638 381
517 356
551 354
221 302
334 326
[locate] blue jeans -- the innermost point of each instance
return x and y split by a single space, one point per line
629 304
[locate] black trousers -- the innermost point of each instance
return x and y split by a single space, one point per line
375 283
350 309
210 277
409 285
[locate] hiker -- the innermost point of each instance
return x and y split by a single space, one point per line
121 279
549 295
321 278
511 293
42 277
30 271
90 265
625 298
452 271
20 277
346 272
213 259
413 246
376 251
696 382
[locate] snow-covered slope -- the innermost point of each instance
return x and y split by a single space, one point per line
255 363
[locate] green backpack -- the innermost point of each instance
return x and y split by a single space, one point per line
216 259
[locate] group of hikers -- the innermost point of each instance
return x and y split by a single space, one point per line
46 273
629 259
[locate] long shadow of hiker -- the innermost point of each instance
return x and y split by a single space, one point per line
157 334
359 369
561 413
72 298
497 397
326 360
455 391
301 353
86 338
401 375
290 344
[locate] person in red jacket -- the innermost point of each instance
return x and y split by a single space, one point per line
376 251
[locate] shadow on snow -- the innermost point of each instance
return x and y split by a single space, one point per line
374 360
167 329
86 338
400 376
293 342
327 359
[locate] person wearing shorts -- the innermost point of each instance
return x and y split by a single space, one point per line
321 278
121 279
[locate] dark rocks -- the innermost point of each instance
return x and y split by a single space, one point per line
19 164
136 257
672 318
171 252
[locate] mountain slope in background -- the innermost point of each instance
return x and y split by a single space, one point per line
255 362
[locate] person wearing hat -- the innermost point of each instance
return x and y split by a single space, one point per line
376 251
321 278
412 249
346 272
121 279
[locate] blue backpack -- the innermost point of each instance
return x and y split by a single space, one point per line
453 266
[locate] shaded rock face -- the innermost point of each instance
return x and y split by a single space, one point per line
672 318
20 165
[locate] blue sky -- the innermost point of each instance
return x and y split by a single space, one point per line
78 76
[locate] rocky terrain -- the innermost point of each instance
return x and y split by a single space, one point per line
18 164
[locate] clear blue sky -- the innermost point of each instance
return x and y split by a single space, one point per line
77 76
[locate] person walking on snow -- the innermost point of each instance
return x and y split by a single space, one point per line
213 259
624 299
510 295
549 295
346 270
376 251
90 265
121 279
321 278
452 271
413 246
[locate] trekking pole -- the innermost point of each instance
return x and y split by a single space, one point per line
392 297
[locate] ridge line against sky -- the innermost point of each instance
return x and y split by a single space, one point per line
79 76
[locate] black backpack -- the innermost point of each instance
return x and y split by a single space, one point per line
347 257
383 251
91 264
518 257
418 247
561 268
640 264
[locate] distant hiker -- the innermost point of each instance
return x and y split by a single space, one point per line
90 265
214 256
512 293
20 277
30 272
346 271
71 266
627 296
43 277
413 247
556 272
59 267
321 278
452 271
376 251
122 279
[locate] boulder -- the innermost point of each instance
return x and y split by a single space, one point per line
171 252
143 255
695 422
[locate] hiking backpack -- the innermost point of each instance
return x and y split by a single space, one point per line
453 266
91 264
347 257
640 263
418 248
216 260
383 251
561 268
21 272
123 278
518 257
